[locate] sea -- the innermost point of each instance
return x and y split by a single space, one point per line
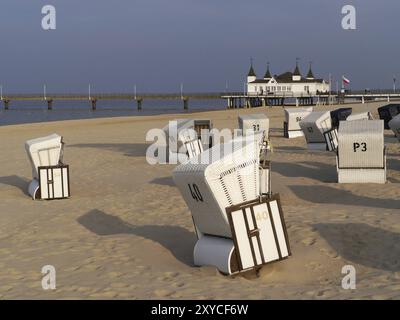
20 112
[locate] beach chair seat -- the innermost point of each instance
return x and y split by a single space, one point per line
194 148
50 175
259 237
331 139
361 154
291 125
394 124
314 126
388 112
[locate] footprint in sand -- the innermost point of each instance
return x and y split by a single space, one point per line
162 293
309 241
178 285
329 253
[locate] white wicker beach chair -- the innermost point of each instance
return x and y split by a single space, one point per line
223 176
258 122
293 116
314 126
50 175
185 134
361 155
394 124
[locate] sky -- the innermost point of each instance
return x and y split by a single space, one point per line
206 45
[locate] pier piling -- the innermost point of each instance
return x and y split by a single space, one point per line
139 104
94 102
50 104
185 104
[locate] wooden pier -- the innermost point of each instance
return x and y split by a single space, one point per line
137 99
233 99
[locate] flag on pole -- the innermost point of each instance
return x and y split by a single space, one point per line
345 80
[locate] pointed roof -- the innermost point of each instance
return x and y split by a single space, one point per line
251 71
267 73
297 70
310 74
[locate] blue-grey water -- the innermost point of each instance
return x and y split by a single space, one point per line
36 111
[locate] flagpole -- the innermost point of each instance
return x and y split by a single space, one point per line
342 83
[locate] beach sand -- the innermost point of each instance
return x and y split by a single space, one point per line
126 232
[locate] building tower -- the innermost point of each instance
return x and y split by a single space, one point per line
310 75
251 76
296 74
267 75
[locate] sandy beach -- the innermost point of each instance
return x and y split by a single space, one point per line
126 232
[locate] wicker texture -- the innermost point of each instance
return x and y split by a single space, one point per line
224 175
362 175
361 144
314 126
45 151
258 122
293 116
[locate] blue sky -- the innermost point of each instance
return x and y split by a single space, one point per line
157 44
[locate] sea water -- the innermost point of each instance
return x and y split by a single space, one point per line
36 111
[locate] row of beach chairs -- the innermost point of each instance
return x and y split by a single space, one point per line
238 220
357 139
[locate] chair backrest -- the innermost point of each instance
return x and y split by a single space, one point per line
258 122
361 144
314 126
293 116
340 115
44 151
219 177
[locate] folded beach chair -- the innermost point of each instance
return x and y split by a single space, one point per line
394 124
183 133
50 175
388 112
314 126
340 114
360 116
361 155
212 184
258 122
293 116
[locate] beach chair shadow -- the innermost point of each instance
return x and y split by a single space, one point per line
128 149
363 244
179 241
307 169
290 149
393 164
164 181
328 195
17 182
276 132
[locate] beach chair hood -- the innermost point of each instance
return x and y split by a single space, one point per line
44 151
